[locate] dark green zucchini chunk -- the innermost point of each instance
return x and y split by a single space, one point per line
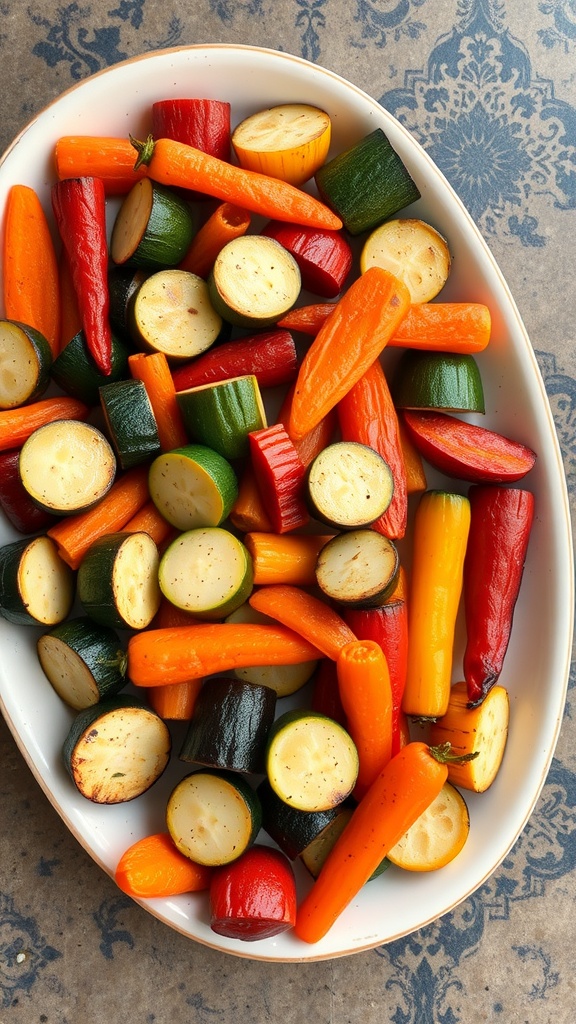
26 359
153 228
36 585
76 373
230 725
83 661
291 829
130 422
117 580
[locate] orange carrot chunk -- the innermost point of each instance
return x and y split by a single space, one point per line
306 614
366 695
154 867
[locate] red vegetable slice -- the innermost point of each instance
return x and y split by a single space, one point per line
323 257
270 356
280 477
202 123
465 450
254 897
15 502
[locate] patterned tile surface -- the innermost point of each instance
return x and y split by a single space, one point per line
489 89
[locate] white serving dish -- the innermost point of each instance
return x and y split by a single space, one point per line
117 101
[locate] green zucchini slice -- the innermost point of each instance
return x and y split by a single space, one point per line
67 466
116 750
193 486
230 725
358 568
213 816
172 313
311 761
75 371
130 422
25 362
117 580
222 414
448 381
254 281
83 661
414 252
292 829
153 227
283 679
123 283
349 485
206 571
36 585
367 183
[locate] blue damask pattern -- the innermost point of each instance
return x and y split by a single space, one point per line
24 952
561 32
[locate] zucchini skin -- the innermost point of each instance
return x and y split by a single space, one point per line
76 373
130 421
98 647
13 605
95 580
230 725
292 829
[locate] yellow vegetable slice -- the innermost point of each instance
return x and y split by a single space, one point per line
289 141
437 836
481 730
411 250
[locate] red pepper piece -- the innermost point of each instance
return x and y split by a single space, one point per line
79 206
16 503
254 897
326 694
202 123
270 356
500 525
324 257
280 477
367 414
388 626
465 450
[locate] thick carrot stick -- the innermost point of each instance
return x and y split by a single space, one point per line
30 266
284 558
75 534
154 372
313 441
149 520
175 702
306 614
307 319
413 463
351 339
399 795
16 425
366 695
175 164
153 866
226 223
248 512
158 657
112 159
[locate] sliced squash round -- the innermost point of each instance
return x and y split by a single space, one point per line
153 227
289 141
171 312
254 281
213 816
480 731
83 661
36 585
193 486
25 363
206 571
411 250
359 568
67 466
117 580
437 836
349 485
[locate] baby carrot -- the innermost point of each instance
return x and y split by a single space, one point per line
153 867
248 512
16 425
313 441
154 372
175 702
175 164
226 223
30 266
112 159
148 519
366 695
401 792
284 558
306 614
351 339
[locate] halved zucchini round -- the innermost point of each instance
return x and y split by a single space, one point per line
36 585
229 725
118 580
289 141
311 761
358 568
411 250
172 312
193 486
83 661
130 421
213 816
153 227
67 466
349 485
254 281
206 571
222 413
437 836
25 361
448 381
116 750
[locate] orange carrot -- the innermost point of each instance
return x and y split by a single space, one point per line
154 372
30 272
149 520
16 425
74 534
248 512
306 614
316 439
103 157
284 558
159 657
70 318
366 695
175 164
402 791
153 867
226 223
351 339
443 326
413 463
175 702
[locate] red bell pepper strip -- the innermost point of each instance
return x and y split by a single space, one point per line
270 356
466 450
325 692
323 257
254 897
79 206
280 477
500 525
202 123
366 414
15 502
